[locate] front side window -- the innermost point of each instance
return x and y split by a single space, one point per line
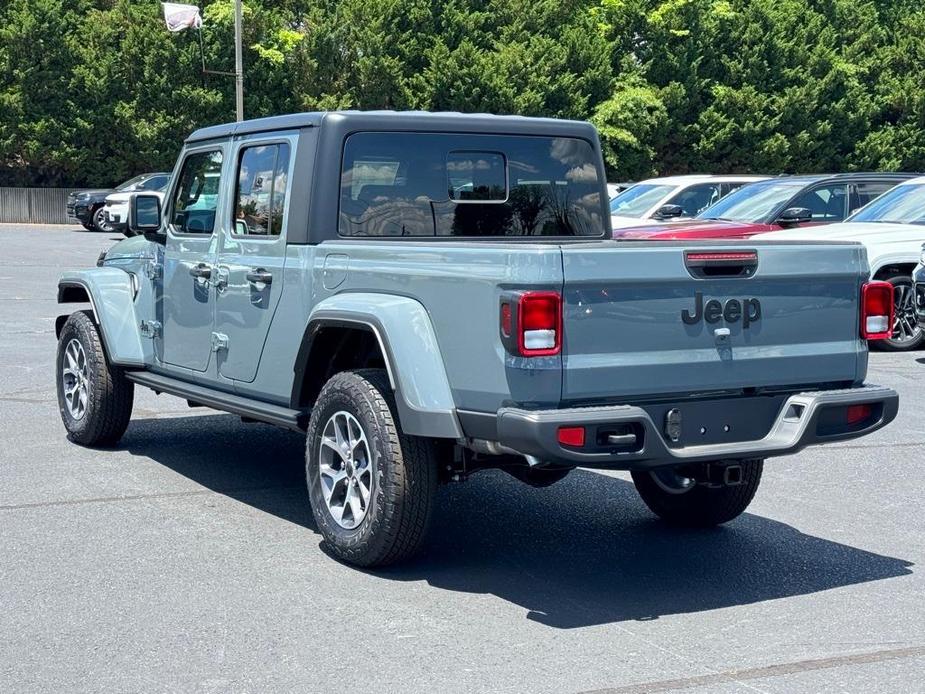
422 184
130 185
695 199
196 197
263 173
827 204
155 183
753 202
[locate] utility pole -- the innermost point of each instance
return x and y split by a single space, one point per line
238 62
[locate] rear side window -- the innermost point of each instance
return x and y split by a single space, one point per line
261 194
196 197
865 192
421 184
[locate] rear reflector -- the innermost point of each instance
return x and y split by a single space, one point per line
572 436
877 310
507 324
858 413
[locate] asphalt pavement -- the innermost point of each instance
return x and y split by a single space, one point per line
186 559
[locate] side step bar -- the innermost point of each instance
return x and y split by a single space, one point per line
220 400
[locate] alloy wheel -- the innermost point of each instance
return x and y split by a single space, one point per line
345 467
905 322
75 379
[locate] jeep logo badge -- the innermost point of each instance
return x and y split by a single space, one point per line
746 310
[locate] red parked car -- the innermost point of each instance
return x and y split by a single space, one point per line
777 203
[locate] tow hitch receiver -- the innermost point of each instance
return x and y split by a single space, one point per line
721 475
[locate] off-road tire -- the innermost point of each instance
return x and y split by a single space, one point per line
404 473
889 345
701 506
110 395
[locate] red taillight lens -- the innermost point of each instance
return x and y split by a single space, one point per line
877 310
572 436
858 413
539 323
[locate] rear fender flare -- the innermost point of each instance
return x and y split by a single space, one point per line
413 360
111 296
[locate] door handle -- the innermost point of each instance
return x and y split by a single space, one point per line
259 275
201 271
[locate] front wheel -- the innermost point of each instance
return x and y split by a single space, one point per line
99 219
682 500
371 487
907 333
94 397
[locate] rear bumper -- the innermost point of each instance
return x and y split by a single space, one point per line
803 420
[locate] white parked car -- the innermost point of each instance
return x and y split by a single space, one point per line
672 197
892 228
115 211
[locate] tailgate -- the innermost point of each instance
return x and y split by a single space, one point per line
656 318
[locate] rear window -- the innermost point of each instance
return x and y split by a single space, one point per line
420 184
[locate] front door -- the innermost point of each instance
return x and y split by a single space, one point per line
189 260
252 254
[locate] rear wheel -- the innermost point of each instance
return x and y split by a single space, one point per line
94 398
681 500
371 487
907 333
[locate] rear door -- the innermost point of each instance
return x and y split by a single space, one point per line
252 252
645 319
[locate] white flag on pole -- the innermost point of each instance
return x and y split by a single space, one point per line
180 17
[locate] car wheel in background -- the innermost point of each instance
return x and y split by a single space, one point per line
99 221
907 333
683 501
94 397
371 487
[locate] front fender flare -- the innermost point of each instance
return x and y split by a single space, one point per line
112 298
412 356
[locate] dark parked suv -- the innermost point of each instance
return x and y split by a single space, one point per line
87 206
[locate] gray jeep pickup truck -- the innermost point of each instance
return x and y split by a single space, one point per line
428 295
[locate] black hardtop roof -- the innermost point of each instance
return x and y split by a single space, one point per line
851 176
401 120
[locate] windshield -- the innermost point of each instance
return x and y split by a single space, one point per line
754 202
131 183
638 199
903 205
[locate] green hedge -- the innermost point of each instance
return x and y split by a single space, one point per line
92 92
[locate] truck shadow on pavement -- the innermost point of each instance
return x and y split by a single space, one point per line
583 552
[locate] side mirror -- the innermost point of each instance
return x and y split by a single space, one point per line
144 214
795 215
669 212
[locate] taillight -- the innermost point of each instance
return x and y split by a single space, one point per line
531 323
877 311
